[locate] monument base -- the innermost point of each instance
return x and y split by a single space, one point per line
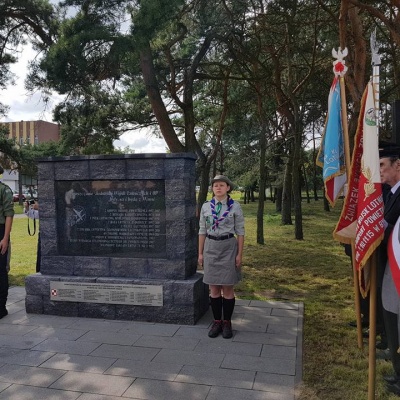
183 301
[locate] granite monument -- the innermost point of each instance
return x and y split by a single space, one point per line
118 239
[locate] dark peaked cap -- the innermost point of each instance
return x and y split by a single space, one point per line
388 150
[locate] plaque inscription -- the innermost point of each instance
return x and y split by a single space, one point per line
118 218
142 295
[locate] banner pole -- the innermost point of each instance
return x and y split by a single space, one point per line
356 296
376 62
372 328
346 143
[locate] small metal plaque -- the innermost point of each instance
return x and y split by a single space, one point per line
108 293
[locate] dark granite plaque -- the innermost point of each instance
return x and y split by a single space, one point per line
111 218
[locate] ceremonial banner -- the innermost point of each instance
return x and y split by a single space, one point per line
362 214
331 154
394 254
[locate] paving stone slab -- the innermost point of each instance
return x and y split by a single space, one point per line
226 346
249 325
283 329
242 302
146 370
90 324
282 312
110 337
66 346
260 364
33 376
74 362
19 342
147 389
193 332
252 310
93 383
280 352
4 385
90 396
218 393
21 392
189 358
15 307
216 376
23 357
152 329
125 352
268 319
15 330
265 338
15 318
49 332
48 320
274 383
167 342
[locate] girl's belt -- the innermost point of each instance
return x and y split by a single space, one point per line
222 237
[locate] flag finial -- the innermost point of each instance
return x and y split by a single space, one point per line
375 57
339 66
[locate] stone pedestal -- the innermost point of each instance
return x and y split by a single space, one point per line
118 239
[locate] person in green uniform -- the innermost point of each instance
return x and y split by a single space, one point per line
6 220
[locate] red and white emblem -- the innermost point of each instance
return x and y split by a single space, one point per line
339 66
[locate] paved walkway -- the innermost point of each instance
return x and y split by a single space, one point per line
46 357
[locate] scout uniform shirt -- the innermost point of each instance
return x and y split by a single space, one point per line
232 222
220 223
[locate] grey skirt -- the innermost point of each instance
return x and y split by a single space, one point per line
219 262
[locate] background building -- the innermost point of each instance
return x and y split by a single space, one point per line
29 132
33 132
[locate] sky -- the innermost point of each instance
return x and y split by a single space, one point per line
28 107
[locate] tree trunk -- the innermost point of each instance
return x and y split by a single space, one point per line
156 101
306 184
262 169
204 184
278 199
20 200
287 193
296 190
326 202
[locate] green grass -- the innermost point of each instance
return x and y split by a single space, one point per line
314 271
23 251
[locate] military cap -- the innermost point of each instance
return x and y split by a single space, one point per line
388 150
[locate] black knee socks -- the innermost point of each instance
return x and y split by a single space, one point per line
228 305
216 307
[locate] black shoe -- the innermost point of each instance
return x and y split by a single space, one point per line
381 346
383 355
216 329
394 388
227 330
3 313
364 324
365 333
391 378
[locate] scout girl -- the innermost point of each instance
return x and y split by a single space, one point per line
221 238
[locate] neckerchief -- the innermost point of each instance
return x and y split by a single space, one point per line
217 219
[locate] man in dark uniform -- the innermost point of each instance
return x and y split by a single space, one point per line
390 175
6 220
